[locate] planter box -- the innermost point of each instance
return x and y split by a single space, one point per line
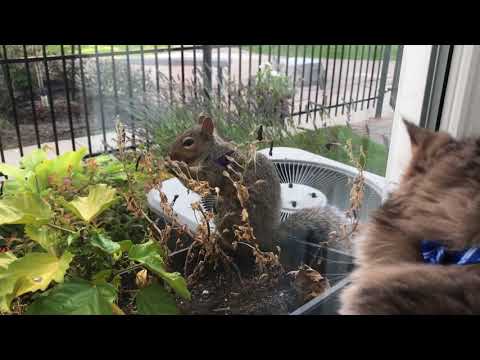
336 269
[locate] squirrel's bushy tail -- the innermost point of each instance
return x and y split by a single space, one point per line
320 226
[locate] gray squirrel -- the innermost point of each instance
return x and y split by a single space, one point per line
205 155
299 235
202 153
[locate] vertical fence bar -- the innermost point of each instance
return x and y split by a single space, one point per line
142 61
371 75
396 74
114 78
32 96
353 76
207 69
157 76
294 80
383 81
130 92
219 76
249 74
366 75
302 82
260 55
170 86
286 62
2 155
85 101
67 95
346 78
319 74
195 71
12 99
310 82
50 99
333 78
339 79
100 98
229 73
377 77
249 65
72 64
359 76
239 68
182 63
269 53
324 95
278 57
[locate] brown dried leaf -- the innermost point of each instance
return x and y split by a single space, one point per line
141 279
309 283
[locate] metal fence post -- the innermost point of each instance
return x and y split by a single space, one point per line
207 68
383 81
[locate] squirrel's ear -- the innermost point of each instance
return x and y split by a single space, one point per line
207 126
201 118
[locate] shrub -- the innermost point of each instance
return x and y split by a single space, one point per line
64 249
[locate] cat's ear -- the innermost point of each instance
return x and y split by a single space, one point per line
417 134
207 126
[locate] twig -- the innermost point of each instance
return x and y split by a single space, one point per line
61 228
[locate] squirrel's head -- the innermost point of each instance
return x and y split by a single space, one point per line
195 142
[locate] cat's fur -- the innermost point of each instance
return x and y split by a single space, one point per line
437 199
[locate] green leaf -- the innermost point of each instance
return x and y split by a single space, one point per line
155 300
76 297
48 238
101 276
31 161
59 168
34 271
125 245
6 258
151 255
103 242
109 167
24 208
17 179
13 172
99 198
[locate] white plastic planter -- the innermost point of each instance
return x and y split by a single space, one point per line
301 174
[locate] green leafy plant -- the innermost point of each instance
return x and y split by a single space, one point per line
69 257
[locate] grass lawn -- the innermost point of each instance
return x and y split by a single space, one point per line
334 51
316 141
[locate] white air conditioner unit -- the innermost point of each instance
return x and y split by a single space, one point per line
307 180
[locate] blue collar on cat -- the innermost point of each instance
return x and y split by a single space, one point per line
433 252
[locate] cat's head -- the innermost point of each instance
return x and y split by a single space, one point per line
439 194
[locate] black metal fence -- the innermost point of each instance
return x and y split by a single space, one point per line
69 94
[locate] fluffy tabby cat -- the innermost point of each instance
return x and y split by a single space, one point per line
438 199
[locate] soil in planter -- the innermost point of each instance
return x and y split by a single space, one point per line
218 295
